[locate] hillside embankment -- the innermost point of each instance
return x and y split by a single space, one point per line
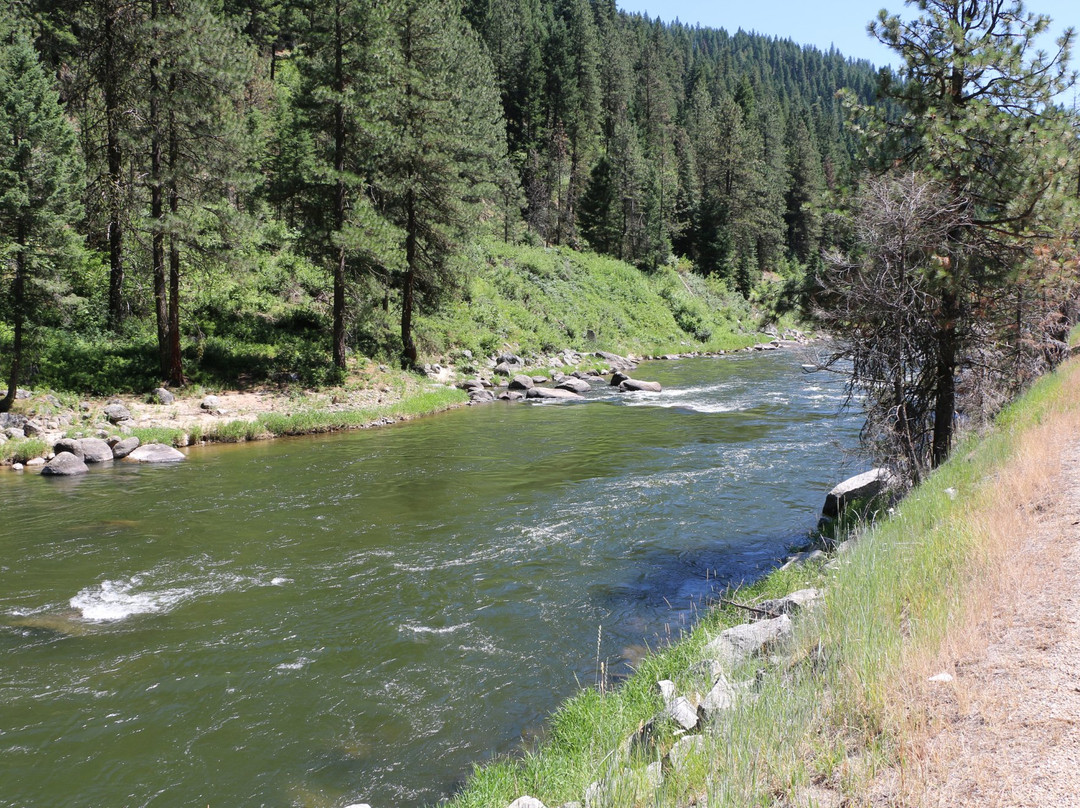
938 667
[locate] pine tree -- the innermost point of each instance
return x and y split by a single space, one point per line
198 66
447 143
40 175
978 117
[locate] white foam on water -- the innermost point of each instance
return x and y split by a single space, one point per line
114 600
279 581
117 600
299 664
418 629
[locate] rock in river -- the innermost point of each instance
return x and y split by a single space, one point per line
122 449
631 385
547 392
65 464
156 453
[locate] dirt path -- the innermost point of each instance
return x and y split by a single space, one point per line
1006 731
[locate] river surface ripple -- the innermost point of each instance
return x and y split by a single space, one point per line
362 617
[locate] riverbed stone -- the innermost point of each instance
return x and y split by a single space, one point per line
682 712
210 403
637 385
65 464
32 428
34 462
512 395
12 420
550 392
480 396
122 449
739 642
522 382
71 445
861 486
116 413
95 450
574 385
617 378
162 396
156 453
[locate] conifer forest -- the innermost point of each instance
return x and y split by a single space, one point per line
181 178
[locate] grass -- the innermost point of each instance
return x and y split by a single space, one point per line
19 450
837 708
306 421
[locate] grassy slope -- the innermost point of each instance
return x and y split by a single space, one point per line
833 711
269 321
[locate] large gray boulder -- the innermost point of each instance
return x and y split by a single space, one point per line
618 378
210 403
162 396
95 450
861 486
12 420
478 395
117 413
739 642
71 445
65 464
573 385
636 385
549 392
522 382
156 453
125 447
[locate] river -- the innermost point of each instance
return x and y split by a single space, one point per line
362 617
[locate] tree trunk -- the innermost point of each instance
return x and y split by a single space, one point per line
945 379
114 157
408 347
175 373
18 293
157 210
340 198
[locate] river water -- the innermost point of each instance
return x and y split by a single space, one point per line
362 617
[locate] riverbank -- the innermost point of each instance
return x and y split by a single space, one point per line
844 711
375 396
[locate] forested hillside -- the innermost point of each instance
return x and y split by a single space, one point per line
328 163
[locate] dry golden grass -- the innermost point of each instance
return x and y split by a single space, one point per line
1004 569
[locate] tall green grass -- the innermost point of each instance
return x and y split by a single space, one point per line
823 711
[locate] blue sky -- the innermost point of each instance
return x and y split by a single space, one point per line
837 22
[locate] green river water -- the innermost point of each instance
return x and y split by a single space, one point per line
362 617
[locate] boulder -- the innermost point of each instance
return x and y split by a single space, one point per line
122 449
512 395
685 748
162 396
521 382
12 420
618 378
32 428
504 369
526 802
574 385
65 464
21 394
95 450
472 384
792 603
116 413
35 461
636 385
478 395
548 392
739 642
682 712
156 453
509 359
861 486
70 445
719 699
210 403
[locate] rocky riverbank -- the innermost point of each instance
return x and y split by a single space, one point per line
378 396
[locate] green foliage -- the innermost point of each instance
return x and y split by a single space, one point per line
19 450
